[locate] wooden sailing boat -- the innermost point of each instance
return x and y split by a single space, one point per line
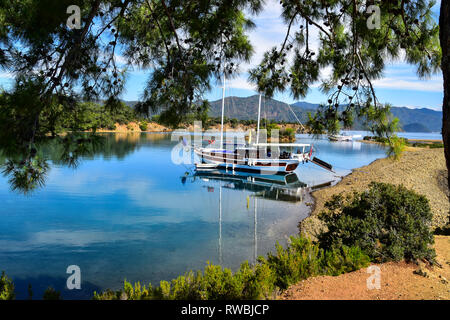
279 158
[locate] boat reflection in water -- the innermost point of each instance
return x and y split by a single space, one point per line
275 187
285 188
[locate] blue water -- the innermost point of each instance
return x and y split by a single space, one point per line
129 212
408 135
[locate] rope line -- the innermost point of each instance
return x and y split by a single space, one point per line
289 106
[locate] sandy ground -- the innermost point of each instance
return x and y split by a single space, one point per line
154 127
420 169
134 127
398 281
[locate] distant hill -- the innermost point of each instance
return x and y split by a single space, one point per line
430 120
415 127
245 108
412 120
306 105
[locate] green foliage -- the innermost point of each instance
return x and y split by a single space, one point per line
184 45
51 294
387 222
301 259
26 175
215 283
85 116
6 288
345 259
384 126
432 145
396 146
288 133
143 125
270 127
156 119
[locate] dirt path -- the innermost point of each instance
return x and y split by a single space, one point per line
398 281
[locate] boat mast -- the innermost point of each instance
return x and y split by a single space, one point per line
223 109
255 237
220 224
259 119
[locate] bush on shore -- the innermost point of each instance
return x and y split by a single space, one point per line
301 259
6 288
387 222
51 294
143 125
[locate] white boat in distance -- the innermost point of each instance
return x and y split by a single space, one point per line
342 137
267 158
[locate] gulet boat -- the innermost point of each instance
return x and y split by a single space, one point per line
272 158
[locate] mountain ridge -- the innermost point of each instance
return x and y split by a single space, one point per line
245 108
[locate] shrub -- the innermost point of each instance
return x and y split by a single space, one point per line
143 126
345 259
51 294
6 288
395 147
432 145
387 222
303 259
156 119
288 133
300 260
215 283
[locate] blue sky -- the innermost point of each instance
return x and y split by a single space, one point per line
400 86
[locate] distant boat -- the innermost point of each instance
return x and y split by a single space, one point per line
343 137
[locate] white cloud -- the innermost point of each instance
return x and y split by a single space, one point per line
6 75
409 84
240 83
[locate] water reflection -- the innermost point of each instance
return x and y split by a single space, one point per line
275 187
28 171
284 188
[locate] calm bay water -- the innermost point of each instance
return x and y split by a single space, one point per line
129 212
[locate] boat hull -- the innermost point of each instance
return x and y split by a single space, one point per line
263 166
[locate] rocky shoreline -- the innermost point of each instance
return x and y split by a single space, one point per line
420 169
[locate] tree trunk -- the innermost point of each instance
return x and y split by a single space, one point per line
444 25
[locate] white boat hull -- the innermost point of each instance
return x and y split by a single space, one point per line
231 162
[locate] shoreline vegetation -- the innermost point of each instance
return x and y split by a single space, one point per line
124 119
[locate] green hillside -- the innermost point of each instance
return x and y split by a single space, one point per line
412 120
247 108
